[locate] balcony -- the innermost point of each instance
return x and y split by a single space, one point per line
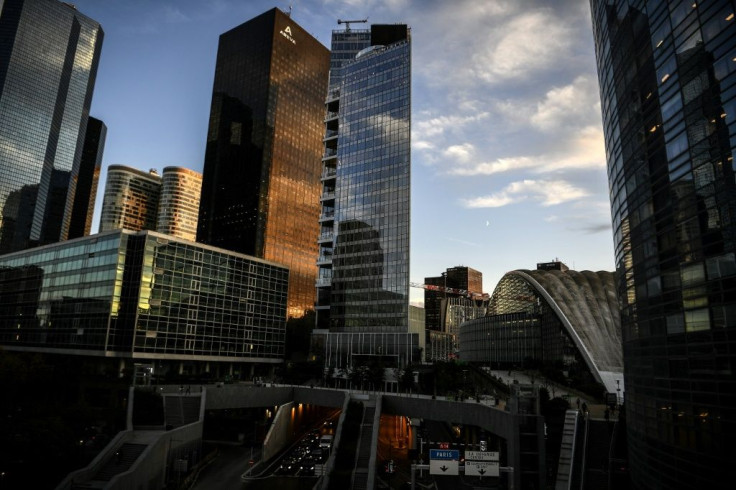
329 153
330 115
327 196
328 173
329 134
325 259
327 216
325 237
324 282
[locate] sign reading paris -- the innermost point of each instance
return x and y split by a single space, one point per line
286 32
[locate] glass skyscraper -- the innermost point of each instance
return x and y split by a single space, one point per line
178 206
88 178
363 284
261 185
667 72
48 64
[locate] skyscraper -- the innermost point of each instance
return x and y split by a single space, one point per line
461 278
130 200
363 284
51 49
667 72
178 206
261 185
88 178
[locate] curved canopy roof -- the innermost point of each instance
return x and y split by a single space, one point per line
587 305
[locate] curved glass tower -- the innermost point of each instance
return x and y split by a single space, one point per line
667 74
178 207
130 200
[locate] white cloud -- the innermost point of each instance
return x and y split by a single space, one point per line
525 45
439 125
460 153
583 150
547 192
575 104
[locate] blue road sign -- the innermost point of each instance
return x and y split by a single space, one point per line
444 454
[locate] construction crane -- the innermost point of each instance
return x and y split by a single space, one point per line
348 22
442 289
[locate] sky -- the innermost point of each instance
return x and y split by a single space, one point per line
508 160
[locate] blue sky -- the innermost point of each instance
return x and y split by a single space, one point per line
508 163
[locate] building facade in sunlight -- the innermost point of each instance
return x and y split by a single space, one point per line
48 66
261 187
667 74
363 283
144 296
130 200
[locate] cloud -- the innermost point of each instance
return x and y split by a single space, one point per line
460 153
527 44
576 104
584 150
547 192
436 126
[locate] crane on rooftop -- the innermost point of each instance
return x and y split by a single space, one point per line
348 22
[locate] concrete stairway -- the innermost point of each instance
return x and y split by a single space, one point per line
567 451
120 462
362 463
181 410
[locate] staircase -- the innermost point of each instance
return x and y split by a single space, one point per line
120 462
567 451
181 410
362 463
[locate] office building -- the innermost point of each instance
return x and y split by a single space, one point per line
48 65
261 184
88 178
363 283
555 318
667 74
144 295
455 282
131 199
178 206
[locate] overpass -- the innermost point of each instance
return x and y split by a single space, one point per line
519 426
519 423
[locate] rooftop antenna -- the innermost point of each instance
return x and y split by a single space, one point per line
348 22
289 12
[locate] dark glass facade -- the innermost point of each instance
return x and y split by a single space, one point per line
48 64
261 183
143 295
667 74
370 261
435 302
87 179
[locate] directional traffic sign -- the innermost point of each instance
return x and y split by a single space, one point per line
481 455
481 468
444 454
443 467
444 461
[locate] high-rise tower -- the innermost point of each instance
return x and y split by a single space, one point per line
667 74
363 284
178 206
130 200
48 64
88 178
261 185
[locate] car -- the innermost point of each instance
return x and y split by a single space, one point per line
325 442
